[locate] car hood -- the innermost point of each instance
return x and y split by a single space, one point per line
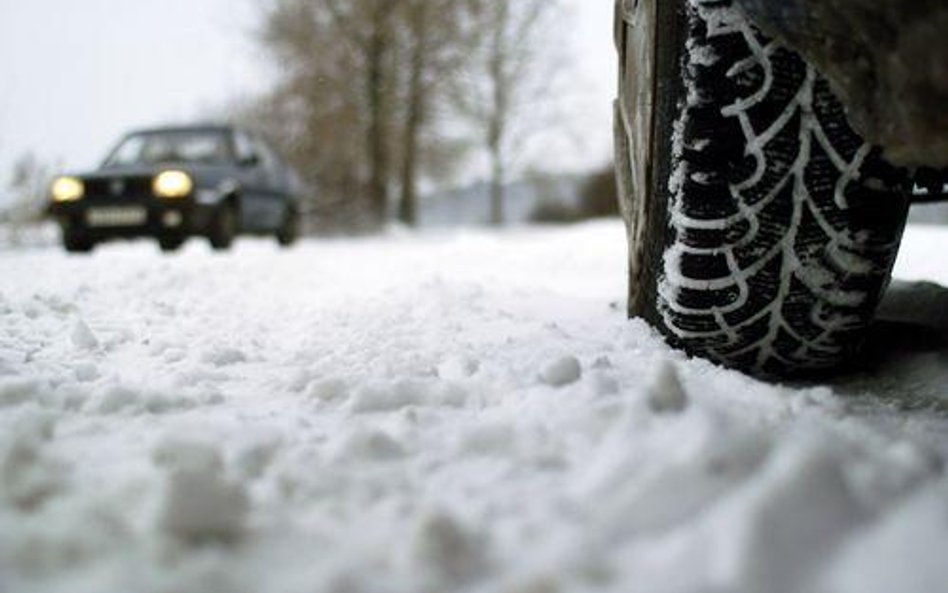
204 175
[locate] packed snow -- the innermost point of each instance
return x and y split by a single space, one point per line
445 412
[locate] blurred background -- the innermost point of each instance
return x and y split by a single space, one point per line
431 113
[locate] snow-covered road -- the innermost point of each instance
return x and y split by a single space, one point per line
433 413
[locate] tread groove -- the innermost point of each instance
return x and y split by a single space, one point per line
771 205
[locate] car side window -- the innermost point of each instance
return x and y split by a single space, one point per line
269 159
244 148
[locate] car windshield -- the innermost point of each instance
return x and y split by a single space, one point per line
153 148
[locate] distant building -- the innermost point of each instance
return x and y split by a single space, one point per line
470 206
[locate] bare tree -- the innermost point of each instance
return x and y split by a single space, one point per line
375 43
28 186
499 90
371 88
363 87
437 39
332 111
418 14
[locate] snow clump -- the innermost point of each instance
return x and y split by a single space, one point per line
562 371
666 394
82 336
197 501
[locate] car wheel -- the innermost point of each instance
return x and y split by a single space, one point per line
77 241
762 229
223 228
289 230
170 244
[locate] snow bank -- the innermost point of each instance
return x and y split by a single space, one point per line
438 413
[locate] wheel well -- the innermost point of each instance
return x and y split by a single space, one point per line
232 200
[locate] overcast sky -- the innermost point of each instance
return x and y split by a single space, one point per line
76 74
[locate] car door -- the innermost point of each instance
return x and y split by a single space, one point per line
274 202
254 183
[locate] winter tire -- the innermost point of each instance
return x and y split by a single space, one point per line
223 228
762 229
170 244
289 230
76 241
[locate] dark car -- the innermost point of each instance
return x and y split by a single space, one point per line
175 183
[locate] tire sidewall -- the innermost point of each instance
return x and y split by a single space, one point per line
289 230
224 228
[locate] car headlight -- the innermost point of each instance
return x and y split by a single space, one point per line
173 184
67 189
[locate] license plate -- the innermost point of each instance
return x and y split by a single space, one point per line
122 216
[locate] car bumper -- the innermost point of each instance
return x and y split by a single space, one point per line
104 218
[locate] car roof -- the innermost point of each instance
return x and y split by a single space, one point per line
210 128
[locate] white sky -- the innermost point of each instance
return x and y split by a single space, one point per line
76 74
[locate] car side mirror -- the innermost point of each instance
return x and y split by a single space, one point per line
249 161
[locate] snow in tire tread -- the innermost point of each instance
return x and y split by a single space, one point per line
785 222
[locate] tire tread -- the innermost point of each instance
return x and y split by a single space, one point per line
778 251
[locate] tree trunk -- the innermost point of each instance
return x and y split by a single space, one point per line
408 206
497 124
497 190
378 108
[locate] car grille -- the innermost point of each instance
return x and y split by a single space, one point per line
119 187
